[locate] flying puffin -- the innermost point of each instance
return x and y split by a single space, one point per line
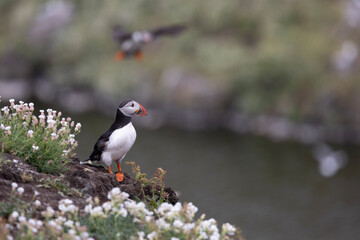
117 141
131 43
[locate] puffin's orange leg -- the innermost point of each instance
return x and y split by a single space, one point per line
109 170
119 56
119 175
139 56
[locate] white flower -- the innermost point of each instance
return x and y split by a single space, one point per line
37 203
164 208
36 193
14 185
54 136
113 192
215 236
152 236
20 190
72 232
78 126
188 227
30 133
14 214
97 211
84 235
9 237
122 212
228 229
52 223
88 208
7 128
106 206
141 235
15 161
39 223
49 212
162 224
32 222
11 100
35 148
148 218
116 194
178 224
31 104
22 219
60 220
66 201
174 238
69 223
190 210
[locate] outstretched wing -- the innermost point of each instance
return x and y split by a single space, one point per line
170 30
120 34
100 146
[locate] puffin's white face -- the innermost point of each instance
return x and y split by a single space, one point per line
133 108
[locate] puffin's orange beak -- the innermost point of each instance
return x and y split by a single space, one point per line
141 111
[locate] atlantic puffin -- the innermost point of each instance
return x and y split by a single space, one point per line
114 144
131 43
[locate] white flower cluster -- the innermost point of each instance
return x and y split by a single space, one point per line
66 205
165 222
19 120
19 190
176 218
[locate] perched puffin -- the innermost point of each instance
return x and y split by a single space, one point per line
117 141
131 43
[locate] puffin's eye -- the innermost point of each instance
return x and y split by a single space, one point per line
132 105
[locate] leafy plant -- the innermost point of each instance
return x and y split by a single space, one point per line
45 141
156 184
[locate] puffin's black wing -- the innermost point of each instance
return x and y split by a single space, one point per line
170 30
120 34
100 146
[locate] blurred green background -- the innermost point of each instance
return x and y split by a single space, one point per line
288 69
297 59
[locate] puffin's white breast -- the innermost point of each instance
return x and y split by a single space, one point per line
120 142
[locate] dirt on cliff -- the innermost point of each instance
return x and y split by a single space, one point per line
77 183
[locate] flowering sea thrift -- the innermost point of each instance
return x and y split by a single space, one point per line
37 139
134 221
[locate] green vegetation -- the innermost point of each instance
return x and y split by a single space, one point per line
265 57
46 141
156 185
118 218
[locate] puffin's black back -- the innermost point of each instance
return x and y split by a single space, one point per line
120 121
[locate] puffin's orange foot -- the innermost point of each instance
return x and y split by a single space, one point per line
119 56
139 56
120 176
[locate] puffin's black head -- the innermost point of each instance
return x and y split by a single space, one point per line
130 108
